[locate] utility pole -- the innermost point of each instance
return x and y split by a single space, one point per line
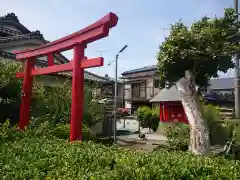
115 94
237 76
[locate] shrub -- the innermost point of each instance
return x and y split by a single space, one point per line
143 115
93 111
155 118
9 90
148 117
62 131
53 103
210 113
177 135
49 157
218 132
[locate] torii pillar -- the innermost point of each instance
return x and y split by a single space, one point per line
78 42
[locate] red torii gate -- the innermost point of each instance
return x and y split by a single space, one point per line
78 42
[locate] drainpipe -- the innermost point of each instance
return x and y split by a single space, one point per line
153 86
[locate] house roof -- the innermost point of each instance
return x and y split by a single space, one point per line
166 94
12 19
9 31
23 34
143 69
222 83
31 35
172 94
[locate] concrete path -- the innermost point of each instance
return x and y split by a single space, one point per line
132 141
132 126
149 137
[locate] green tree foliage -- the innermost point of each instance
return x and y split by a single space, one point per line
10 88
50 104
204 48
93 111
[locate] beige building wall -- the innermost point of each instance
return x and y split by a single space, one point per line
149 88
127 91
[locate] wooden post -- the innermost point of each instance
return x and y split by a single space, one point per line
26 93
77 94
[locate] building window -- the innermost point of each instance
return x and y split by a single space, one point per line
139 90
108 90
136 90
97 92
142 90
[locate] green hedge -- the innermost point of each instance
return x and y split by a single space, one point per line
147 116
39 154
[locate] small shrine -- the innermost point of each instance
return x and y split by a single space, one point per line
171 109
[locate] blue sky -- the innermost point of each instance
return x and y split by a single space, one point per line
141 24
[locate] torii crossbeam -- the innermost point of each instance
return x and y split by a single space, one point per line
78 42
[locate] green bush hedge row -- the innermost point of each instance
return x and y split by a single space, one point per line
38 153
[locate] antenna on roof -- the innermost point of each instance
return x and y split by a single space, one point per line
100 52
164 31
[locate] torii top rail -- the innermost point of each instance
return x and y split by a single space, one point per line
78 42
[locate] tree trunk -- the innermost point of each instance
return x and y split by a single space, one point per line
199 134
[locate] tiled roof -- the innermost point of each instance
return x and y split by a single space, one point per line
143 69
165 94
11 18
32 35
9 31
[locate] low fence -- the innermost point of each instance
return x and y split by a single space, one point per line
226 113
